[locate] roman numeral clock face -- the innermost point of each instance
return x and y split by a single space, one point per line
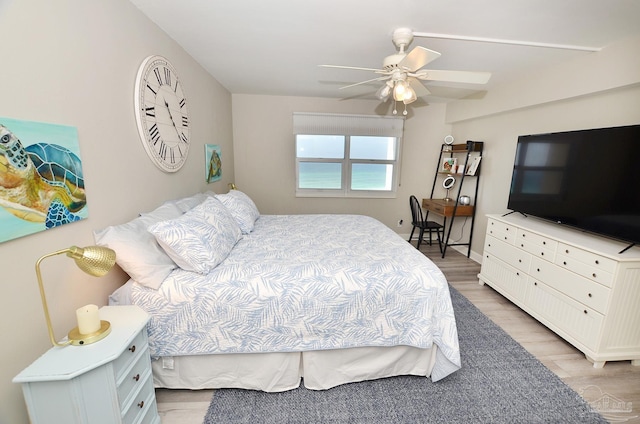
161 114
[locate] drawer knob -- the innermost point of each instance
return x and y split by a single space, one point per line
544 243
132 348
518 274
538 269
141 404
520 260
541 253
137 376
585 311
590 295
521 244
597 262
505 237
564 262
566 250
535 283
594 275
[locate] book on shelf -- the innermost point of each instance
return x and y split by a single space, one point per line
472 167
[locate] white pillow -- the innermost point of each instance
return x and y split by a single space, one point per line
137 251
201 238
242 208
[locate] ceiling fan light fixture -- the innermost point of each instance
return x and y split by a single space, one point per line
400 90
384 92
409 95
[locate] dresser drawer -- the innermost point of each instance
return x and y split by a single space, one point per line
133 377
536 244
591 272
590 265
564 314
501 231
508 253
126 358
581 289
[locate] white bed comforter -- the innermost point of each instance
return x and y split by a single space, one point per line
306 282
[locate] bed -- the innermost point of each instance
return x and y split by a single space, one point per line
263 302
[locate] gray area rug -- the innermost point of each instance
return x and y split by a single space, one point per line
500 382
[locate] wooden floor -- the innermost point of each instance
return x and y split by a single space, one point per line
613 390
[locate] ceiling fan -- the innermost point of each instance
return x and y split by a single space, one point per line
403 73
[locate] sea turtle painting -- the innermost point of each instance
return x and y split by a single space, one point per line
41 182
214 169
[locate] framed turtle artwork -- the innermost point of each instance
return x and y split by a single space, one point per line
213 162
41 180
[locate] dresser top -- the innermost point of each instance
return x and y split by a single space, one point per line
65 363
592 242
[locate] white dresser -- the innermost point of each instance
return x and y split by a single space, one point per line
575 283
106 382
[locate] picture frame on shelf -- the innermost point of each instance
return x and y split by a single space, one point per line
472 168
449 165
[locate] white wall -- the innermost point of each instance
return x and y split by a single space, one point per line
74 62
264 148
594 91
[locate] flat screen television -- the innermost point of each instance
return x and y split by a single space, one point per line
588 179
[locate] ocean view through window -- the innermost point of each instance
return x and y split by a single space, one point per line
347 155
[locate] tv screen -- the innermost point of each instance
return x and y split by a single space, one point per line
589 179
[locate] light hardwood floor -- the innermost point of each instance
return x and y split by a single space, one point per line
614 390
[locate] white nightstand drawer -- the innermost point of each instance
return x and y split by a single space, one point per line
125 359
143 400
133 377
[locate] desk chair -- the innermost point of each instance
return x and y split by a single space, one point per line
418 222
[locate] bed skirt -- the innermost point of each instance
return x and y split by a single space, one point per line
277 372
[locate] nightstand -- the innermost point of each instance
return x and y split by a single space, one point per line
106 382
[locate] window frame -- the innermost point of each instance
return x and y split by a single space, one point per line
347 169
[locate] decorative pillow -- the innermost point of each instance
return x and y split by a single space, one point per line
137 251
242 208
201 238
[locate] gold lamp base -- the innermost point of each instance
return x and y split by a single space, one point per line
78 339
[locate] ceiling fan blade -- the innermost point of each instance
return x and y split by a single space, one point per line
417 58
468 77
353 67
418 87
364 82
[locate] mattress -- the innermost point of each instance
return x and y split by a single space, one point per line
306 283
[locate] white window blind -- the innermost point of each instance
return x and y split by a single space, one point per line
331 124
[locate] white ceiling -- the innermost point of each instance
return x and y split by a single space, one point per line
274 47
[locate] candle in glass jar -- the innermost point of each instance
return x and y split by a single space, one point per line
88 319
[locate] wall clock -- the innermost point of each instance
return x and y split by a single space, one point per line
161 113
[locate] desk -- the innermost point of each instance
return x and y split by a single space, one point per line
445 207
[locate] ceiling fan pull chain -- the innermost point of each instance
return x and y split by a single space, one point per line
405 110
395 104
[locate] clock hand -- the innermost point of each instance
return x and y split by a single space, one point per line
171 117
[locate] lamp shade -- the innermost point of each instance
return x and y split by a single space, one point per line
94 260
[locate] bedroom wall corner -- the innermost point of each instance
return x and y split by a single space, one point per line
265 155
73 62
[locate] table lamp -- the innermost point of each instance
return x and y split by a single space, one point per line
94 260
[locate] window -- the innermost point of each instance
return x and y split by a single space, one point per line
347 155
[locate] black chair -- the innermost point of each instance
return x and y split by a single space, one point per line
419 222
